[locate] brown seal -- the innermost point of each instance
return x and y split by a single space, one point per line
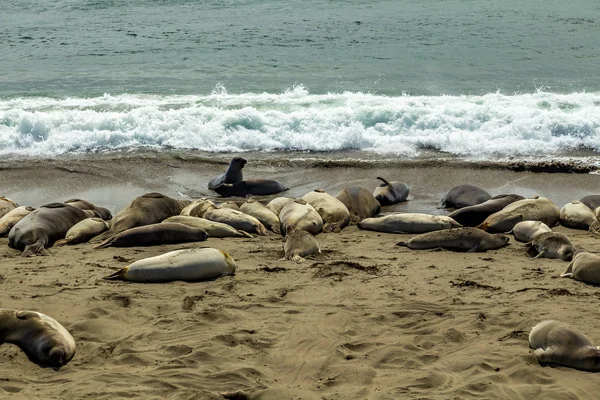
463 196
360 203
457 239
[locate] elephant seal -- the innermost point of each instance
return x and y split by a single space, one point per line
261 213
6 205
551 245
592 201
457 239
83 231
334 213
475 215
155 235
388 193
230 204
214 229
105 214
525 231
577 215
234 218
584 267
299 244
43 339
557 343
44 226
536 209
278 203
197 208
9 219
250 187
190 265
408 223
299 215
463 196
360 203
233 174
150 208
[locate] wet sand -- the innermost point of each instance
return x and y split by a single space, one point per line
363 320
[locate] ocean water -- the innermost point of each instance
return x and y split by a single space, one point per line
469 79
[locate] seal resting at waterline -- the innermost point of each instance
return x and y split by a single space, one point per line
408 223
334 213
9 219
584 267
388 193
360 203
463 196
190 265
457 239
250 187
535 209
526 231
475 215
44 226
233 174
577 215
43 339
551 245
557 343
155 235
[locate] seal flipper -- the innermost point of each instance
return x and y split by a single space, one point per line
594 227
117 276
244 233
568 272
35 249
383 180
404 243
531 250
107 243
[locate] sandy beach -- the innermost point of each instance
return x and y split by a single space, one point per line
366 319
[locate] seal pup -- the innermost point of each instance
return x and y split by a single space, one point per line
463 196
551 245
105 214
457 239
233 174
43 339
388 193
299 215
584 267
214 229
408 223
190 265
535 209
577 215
250 187
475 215
154 235
42 227
83 231
526 231
6 205
299 244
592 201
261 213
278 203
9 219
360 203
334 213
557 343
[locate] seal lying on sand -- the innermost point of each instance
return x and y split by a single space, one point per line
44 340
584 267
278 203
233 174
190 265
557 343
299 244
457 239
334 213
592 201
9 219
6 205
526 231
536 209
360 203
475 215
577 215
299 215
154 235
463 196
86 205
408 223
214 229
261 213
250 187
388 193
83 231
551 245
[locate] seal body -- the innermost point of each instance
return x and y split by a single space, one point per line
388 193
83 231
6 205
299 215
105 214
278 203
408 223
592 201
551 245
229 204
584 267
475 215
334 213
537 209
233 174
236 219
457 239
44 340
9 219
300 244
197 208
189 265
557 343
577 215
261 213
214 229
44 226
154 235
526 231
360 203
463 196
250 187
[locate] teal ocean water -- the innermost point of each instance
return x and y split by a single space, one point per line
458 78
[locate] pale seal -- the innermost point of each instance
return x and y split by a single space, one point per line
43 339
277 204
360 203
197 208
44 226
299 215
9 219
230 204
214 229
551 245
6 205
457 239
388 193
334 213
250 187
299 244
584 267
261 213
475 215
592 201
577 215
526 231
557 343
408 223
83 231
190 265
233 174
86 205
155 235
234 218
463 196
536 209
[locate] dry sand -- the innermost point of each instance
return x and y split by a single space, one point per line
363 320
